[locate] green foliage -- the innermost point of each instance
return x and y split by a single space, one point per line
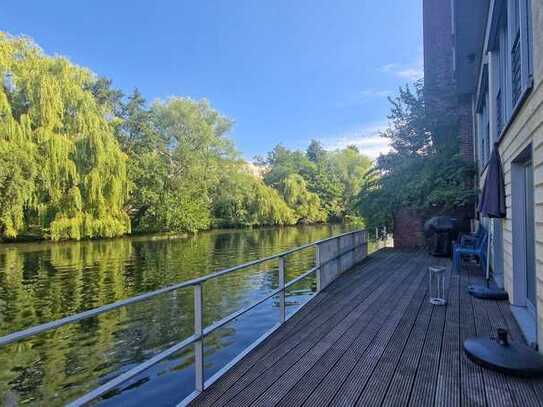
244 200
424 169
81 160
17 189
306 204
177 151
64 168
325 181
282 162
352 168
334 177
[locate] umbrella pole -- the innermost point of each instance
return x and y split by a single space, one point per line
498 353
490 238
484 291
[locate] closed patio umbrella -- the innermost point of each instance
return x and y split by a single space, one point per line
498 353
491 205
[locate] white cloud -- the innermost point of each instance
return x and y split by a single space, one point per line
365 137
373 93
410 72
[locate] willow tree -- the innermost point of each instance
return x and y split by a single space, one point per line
306 204
64 169
245 200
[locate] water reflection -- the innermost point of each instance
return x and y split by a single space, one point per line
43 281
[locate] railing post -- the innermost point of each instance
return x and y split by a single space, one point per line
338 258
282 309
353 249
199 344
319 270
385 235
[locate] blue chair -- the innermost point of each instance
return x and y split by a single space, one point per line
478 250
473 239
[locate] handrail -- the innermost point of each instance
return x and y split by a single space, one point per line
48 326
200 332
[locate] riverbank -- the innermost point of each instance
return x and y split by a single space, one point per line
36 238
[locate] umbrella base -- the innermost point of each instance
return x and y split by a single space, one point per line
488 293
510 358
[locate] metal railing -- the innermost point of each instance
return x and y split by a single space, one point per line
333 256
382 237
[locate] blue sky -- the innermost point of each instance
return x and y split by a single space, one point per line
285 71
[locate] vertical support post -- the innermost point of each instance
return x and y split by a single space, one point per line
353 251
282 309
199 344
385 235
319 269
338 257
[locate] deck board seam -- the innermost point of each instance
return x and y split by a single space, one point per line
372 343
270 346
384 287
410 327
362 295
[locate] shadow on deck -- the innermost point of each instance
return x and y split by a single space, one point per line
372 338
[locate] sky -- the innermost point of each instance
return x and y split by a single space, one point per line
285 71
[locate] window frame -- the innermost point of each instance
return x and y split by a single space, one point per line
483 128
501 35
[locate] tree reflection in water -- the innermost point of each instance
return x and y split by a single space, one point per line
40 282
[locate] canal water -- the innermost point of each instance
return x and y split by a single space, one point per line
44 281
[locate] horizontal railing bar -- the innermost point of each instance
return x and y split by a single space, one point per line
38 329
132 372
176 348
301 277
186 342
192 339
48 326
237 314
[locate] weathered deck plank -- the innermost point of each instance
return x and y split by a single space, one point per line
471 375
309 382
308 319
297 345
282 386
371 338
448 377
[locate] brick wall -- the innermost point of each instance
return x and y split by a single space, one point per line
465 127
408 232
451 110
438 55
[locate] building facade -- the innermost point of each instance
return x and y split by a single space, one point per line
492 62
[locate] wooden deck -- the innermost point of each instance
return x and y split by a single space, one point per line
372 339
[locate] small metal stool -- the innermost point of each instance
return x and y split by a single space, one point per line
436 282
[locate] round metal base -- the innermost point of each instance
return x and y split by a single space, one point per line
438 301
488 293
511 358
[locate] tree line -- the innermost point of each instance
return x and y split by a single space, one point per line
82 160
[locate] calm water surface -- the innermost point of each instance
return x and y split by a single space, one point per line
40 282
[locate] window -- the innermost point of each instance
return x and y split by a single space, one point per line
516 71
509 41
501 75
483 129
486 132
